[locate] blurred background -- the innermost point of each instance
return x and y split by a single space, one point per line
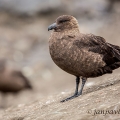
24 41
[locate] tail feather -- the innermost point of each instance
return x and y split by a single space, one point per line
106 69
115 50
115 46
115 65
110 66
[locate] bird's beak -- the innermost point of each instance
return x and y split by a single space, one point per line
52 26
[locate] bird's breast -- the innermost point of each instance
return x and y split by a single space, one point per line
73 60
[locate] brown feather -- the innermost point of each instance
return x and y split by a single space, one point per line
80 54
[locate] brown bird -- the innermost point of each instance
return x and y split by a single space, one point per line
82 55
11 79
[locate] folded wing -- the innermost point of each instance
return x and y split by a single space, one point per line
109 52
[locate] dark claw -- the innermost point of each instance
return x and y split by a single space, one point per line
69 98
76 91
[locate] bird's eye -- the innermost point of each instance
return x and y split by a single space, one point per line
62 21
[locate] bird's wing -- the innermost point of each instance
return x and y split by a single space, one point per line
97 44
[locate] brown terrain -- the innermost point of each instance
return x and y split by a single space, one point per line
24 42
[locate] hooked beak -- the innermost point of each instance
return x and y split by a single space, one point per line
52 26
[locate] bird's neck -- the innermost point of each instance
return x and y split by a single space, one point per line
62 34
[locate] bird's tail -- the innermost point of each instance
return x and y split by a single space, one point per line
115 50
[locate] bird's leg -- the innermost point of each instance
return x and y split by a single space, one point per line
77 85
82 86
76 90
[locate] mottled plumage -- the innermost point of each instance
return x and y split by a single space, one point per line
82 55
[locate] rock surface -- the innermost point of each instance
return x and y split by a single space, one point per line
97 102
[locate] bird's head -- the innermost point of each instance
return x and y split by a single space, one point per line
64 23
